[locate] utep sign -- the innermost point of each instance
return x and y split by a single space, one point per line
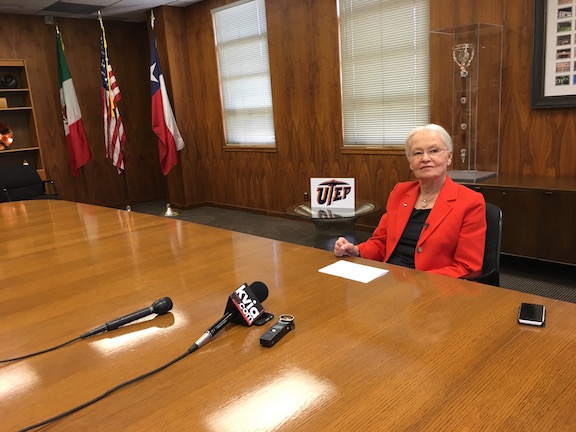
332 196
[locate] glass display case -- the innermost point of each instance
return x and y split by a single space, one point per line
465 96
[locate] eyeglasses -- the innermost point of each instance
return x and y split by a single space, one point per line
433 152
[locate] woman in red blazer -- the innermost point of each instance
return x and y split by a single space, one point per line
432 223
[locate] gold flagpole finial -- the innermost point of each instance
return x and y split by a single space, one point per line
152 18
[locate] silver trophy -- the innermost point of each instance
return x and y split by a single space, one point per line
463 55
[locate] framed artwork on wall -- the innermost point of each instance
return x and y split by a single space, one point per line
554 54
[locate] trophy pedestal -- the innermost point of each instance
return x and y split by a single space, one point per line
471 176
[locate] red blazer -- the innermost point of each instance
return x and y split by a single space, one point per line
453 238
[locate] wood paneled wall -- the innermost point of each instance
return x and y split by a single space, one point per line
304 61
532 142
29 38
303 42
303 39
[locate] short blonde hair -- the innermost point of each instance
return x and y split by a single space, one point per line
430 128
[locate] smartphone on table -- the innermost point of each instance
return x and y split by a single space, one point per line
532 314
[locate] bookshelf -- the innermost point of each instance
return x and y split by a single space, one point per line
17 111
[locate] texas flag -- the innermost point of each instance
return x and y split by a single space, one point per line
163 122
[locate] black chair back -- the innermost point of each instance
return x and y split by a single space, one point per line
21 182
491 265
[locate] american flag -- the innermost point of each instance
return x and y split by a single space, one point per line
114 135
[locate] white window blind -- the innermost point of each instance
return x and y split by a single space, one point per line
242 46
385 69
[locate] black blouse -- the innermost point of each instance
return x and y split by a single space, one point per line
403 255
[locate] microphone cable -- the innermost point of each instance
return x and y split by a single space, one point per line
261 293
159 307
110 391
41 352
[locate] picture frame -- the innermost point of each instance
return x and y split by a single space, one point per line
554 54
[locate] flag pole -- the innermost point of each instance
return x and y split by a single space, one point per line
152 18
107 64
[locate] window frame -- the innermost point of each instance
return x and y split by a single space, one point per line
268 110
382 147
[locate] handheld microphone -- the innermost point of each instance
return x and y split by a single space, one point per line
160 307
243 307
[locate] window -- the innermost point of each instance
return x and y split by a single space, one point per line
385 69
242 47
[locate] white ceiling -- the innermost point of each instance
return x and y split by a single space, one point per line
123 10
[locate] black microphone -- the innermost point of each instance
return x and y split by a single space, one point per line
243 307
160 307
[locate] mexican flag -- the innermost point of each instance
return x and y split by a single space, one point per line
78 149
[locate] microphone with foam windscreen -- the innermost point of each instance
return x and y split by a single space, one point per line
160 307
243 307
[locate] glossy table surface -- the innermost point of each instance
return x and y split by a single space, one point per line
407 351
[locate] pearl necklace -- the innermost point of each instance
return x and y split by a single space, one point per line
425 201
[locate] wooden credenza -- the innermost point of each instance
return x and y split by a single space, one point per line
539 215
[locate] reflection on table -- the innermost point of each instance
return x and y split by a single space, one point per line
333 223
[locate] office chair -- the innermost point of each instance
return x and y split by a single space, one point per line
22 182
490 273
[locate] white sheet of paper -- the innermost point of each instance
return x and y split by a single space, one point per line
350 270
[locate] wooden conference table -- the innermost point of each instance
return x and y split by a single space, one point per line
407 351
